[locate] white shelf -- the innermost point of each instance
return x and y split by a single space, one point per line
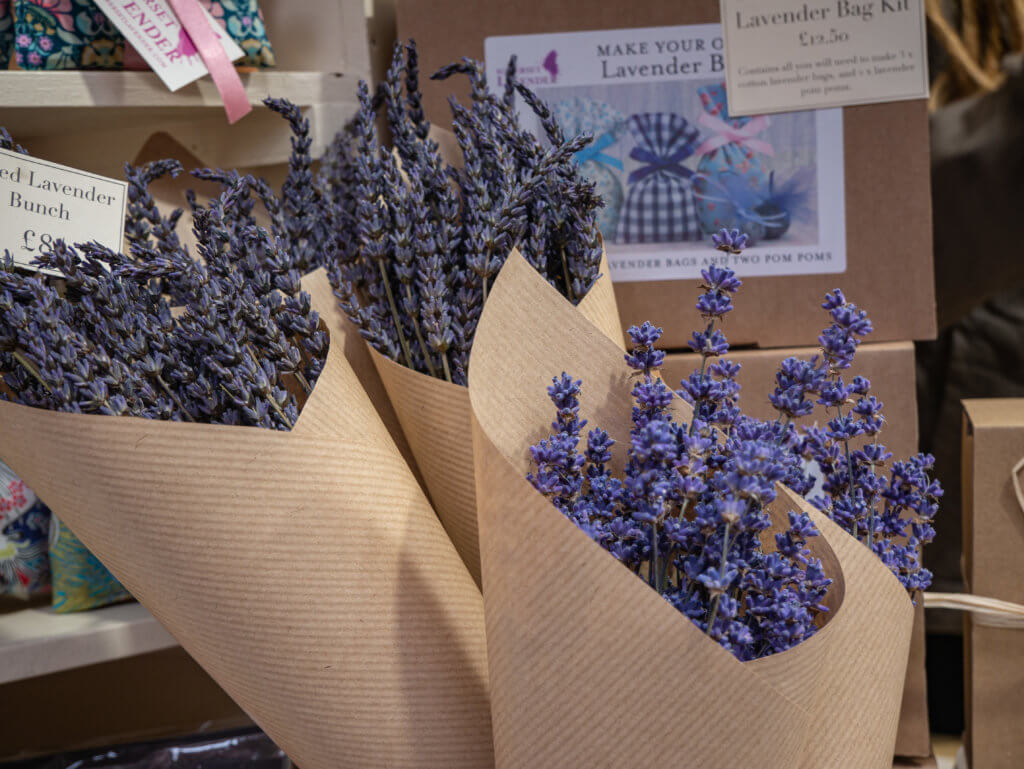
34 642
72 88
99 120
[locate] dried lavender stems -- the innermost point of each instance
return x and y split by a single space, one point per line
243 345
692 505
424 240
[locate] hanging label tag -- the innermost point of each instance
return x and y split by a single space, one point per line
785 55
157 34
43 202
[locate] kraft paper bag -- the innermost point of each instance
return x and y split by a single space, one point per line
588 665
435 419
305 570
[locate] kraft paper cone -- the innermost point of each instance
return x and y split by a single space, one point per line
346 335
435 419
588 665
305 571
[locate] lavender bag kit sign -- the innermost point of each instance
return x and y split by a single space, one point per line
672 164
43 202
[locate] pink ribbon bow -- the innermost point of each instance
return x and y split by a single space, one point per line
727 134
225 77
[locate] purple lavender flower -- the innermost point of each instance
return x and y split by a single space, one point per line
730 241
890 515
107 342
689 512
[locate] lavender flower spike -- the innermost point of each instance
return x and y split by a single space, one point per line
730 241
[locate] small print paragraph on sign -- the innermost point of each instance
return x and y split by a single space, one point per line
785 55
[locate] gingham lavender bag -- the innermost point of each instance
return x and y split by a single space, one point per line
659 206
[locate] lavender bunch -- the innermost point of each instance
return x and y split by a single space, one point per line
424 240
104 340
690 509
299 218
887 505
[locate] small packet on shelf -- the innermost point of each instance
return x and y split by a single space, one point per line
24 524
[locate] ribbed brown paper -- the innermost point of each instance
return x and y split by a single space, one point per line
435 419
588 665
305 571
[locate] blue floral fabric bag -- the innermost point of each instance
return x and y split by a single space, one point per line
6 33
598 162
76 34
659 206
65 34
80 581
243 20
24 528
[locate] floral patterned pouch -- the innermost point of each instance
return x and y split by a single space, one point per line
65 34
24 526
244 22
6 33
75 34
80 581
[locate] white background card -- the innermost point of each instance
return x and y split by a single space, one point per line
42 202
786 55
637 88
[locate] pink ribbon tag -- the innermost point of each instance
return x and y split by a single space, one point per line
727 134
223 72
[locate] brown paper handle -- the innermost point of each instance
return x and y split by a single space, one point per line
988 612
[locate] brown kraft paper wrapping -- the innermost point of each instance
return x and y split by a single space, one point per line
435 418
305 571
575 641
890 367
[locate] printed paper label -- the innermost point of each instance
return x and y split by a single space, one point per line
155 32
798 54
672 164
43 202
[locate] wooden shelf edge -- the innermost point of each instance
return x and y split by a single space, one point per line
128 90
36 642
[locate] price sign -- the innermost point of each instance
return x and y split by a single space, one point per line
786 55
43 202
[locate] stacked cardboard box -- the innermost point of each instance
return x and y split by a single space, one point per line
993 520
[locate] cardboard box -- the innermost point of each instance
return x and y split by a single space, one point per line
890 367
993 521
887 192
149 696
926 762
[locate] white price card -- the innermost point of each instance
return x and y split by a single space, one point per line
786 55
156 33
43 202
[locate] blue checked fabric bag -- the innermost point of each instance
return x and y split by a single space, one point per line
659 206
